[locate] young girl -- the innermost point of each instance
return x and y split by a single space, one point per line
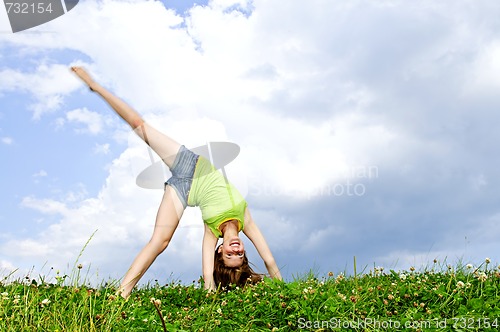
194 182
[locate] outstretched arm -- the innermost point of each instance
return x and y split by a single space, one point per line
208 250
252 231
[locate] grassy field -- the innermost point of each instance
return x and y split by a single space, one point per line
440 297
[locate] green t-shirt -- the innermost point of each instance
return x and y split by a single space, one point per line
218 199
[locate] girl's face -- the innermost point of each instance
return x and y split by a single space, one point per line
233 252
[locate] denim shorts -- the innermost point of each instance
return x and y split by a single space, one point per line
182 173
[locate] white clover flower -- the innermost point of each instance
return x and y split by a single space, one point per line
482 277
402 276
469 266
487 260
45 302
156 302
460 284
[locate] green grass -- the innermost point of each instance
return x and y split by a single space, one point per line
438 297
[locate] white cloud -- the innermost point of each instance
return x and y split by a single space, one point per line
7 266
223 4
46 206
41 173
92 121
485 71
4 22
7 140
48 84
101 148
29 248
38 175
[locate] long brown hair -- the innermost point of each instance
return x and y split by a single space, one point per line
226 277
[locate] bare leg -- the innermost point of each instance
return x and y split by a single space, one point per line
163 145
171 208
167 220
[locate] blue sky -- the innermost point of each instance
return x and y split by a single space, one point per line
366 129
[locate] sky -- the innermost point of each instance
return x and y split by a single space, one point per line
367 131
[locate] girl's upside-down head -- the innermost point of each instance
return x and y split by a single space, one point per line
234 274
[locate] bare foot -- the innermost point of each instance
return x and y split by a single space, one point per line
84 76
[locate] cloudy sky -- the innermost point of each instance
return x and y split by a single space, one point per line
366 128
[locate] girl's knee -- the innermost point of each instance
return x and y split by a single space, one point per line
159 244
